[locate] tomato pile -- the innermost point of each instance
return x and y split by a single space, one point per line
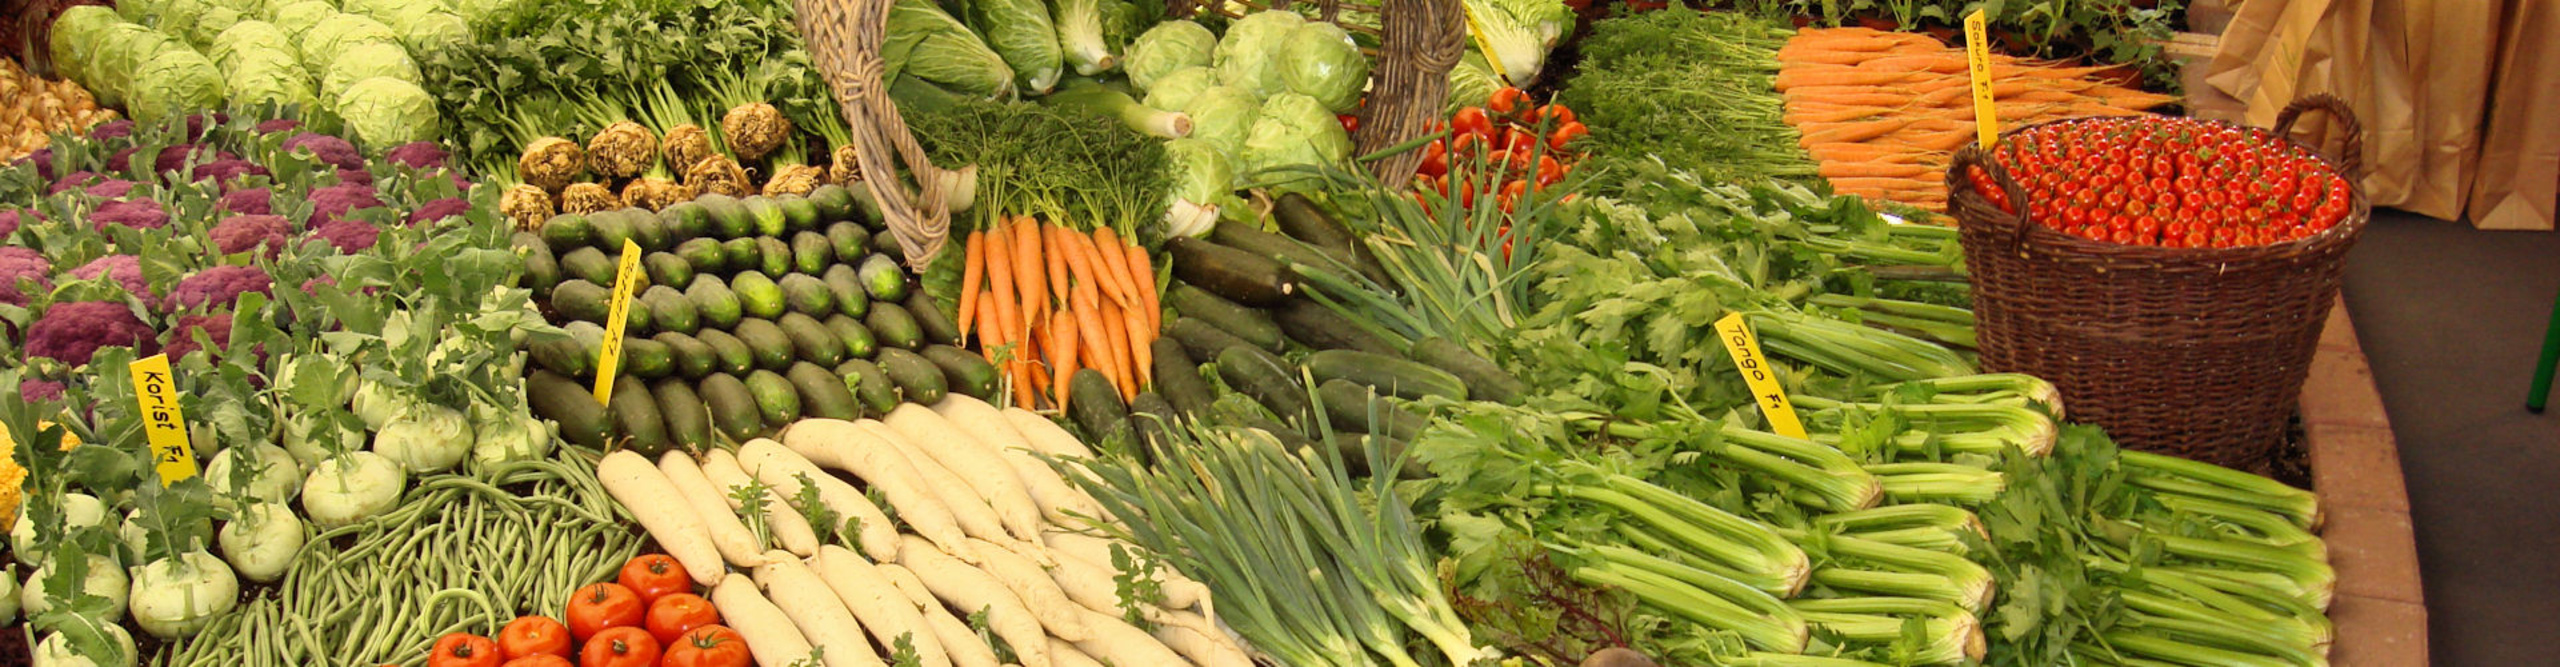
647 617
2171 182
1511 140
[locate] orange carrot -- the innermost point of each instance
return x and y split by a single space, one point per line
1797 76
972 272
1142 273
1079 264
1853 131
1873 97
1097 342
1833 116
1838 170
1057 260
1000 268
1114 266
1115 327
992 339
1030 277
1139 351
1062 352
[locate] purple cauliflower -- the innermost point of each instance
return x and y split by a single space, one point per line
135 213
219 286
176 158
182 338
75 181
125 270
199 123
242 233
18 263
327 149
111 189
278 125
10 221
440 209
111 130
34 390
42 159
334 202
350 236
256 201
355 177
72 332
122 160
226 171
417 155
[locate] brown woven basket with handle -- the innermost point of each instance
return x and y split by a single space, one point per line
2194 352
1421 40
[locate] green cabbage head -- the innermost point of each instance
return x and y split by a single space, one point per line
1471 83
254 74
1202 175
367 61
933 47
178 81
248 36
76 38
1222 116
298 17
1171 46
385 112
337 35
124 48
1293 130
425 26
1320 61
1248 57
1174 91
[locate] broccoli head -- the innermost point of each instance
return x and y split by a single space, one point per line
125 270
334 202
417 155
242 233
72 332
219 286
34 390
254 201
349 236
278 125
440 209
327 149
135 213
182 338
117 129
226 171
17 264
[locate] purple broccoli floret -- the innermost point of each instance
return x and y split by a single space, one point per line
21 263
135 213
355 177
440 209
72 332
111 130
334 202
417 155
125 270
242 233
75 181
350 236
35 390
328 149
10 221
111 189
219 286
278 125
257 201
226 171
182 338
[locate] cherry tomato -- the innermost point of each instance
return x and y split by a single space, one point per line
1350 123
464 650
672 615
654 576
543 660
620 647
1549 171
602 607
708 646
1511 193
1472 121
1435 159
1566 134
1555 115
533 635
1511 103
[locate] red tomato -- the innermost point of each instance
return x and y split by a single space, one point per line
464 650
1549 171
1435 159
1511 103
533 635
672 615
543 660
1473 121
1555 115
708 646
1517 138
1566 134
1350 123
601 607
654 576
620 647
1511 193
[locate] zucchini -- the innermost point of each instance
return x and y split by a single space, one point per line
541 270
848 240
1284 250
1243 413
883 279
669 310
729 354
1094 405
567 231
776 401
665 268
918 380
894 326
811 253
1266 379
807 295
1247 324
742 254
757 295
704 254
814 342
1393 376
822 394
582 301
963 372
846 285
635 413
1300 218
1353 407
729 219
1201 339
858 343
589 264
573 407
773 255
647 230
798 213
693 357
870 385
733 407
1239 276
688 418
646 358
936 325
773 348
766 214
686 221
1484 380
1178 379
717 307
835 204
1314 325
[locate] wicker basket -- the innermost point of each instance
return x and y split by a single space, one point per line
2199 353
1422 40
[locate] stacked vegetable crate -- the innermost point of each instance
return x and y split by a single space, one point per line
749 314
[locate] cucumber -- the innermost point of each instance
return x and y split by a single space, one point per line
1300 218
1178 379
846 285
729 218
1266 379
733 407
1094 405
573 407
776 401
609 229
848 240
718 307
569 355
669 310
1284 250
582 301
766 214
814 342
686 221
822 393
1316 326
636 415
870 385
647 358
858 343
918 380
1247 414
894 325
588 264
834 202
1393 376
773 348
688 418
937 325
637 318
1239 276
567 231
883 279
666 269
757 295
1150 415
1484 380
773 255
966 373
1353 407
647 230
811 253
541 270
693 357
729 354
798 213
866 210
884 242
1247 324
1200 339
705 255
802 293
742 254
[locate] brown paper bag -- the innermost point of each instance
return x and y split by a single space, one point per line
2519 174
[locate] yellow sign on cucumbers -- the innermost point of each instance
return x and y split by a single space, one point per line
626 279
1757 374
164 425
1977 55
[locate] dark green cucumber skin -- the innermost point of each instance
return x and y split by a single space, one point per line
918 380
1239 276
799 214
767 215
1178 379
573 407
636 413
1247 324
1315 326
858 343
758 295
805 294
894 326
1094 405
776 401
811 253
732 355
965 373
1393 376
1266 379
693 357
733 406
686 221
742 254
1354 407
1484 380
1151 414
870 385
669 310
566 232
609 229
566 355
773 348
814 342
846 284
883 242
647 358
688 418
835 204
588 264
541 269
1300 218
648 231
775 254
929 316
666 269
705 255
718 307
883 278
729 218
1250 416
822 392
849 240
1202 339
1281 249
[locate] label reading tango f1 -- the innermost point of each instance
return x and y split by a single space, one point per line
1977 56
626 279
1756 372
163 424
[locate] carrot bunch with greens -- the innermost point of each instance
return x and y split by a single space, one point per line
1044 301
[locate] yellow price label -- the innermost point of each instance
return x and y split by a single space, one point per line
1977 56
1485 46
626 279
163 423
1757 374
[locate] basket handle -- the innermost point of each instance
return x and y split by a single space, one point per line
2350 157
1966 204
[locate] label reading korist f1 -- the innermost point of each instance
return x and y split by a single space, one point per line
1756 373
626 279
164 425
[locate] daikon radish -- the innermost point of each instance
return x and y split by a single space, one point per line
1198 639
770 634
1089 585
1180 592
878 604
661 509
1067 655
967 649
1116 642
1061 502
731 537
960 586
789 528
1045 435
976 462
907 583
1033 586
779 468
842 445
813 608
973 515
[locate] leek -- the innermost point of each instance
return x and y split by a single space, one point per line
1101 100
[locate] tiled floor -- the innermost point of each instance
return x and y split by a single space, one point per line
2380 613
